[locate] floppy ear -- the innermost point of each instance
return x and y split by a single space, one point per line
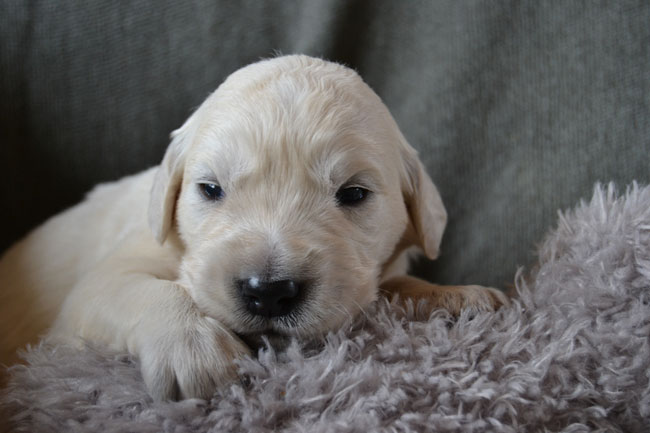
426 211
166 185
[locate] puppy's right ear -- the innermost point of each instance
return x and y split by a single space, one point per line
167 184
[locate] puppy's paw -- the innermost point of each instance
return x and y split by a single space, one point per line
190 359
473 298
452 298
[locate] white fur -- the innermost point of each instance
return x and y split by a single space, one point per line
280 137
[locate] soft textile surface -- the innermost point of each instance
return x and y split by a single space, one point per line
517 106
570 354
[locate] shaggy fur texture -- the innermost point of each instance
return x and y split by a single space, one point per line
570 354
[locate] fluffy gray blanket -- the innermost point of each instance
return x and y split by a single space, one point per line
570 354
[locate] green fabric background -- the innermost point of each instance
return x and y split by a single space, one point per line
517 107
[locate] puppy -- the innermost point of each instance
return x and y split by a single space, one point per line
282 207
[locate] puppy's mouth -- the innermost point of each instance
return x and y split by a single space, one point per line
278 331
289 325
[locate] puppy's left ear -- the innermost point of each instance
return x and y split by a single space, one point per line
167 184
426 211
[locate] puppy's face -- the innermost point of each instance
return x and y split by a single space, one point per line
292 187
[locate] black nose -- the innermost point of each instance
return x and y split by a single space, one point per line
269 298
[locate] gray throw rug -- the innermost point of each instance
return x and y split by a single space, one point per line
571 354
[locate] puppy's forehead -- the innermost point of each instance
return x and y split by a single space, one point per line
322 119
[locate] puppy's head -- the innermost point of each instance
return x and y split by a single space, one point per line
291 188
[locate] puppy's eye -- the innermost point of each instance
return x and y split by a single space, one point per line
211 191
351 195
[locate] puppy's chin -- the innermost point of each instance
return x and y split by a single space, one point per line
258 340
278 332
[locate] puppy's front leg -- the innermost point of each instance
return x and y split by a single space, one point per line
452 298
183 353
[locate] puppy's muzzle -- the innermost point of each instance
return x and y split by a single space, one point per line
269 298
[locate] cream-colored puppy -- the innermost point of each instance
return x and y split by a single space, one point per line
281 206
